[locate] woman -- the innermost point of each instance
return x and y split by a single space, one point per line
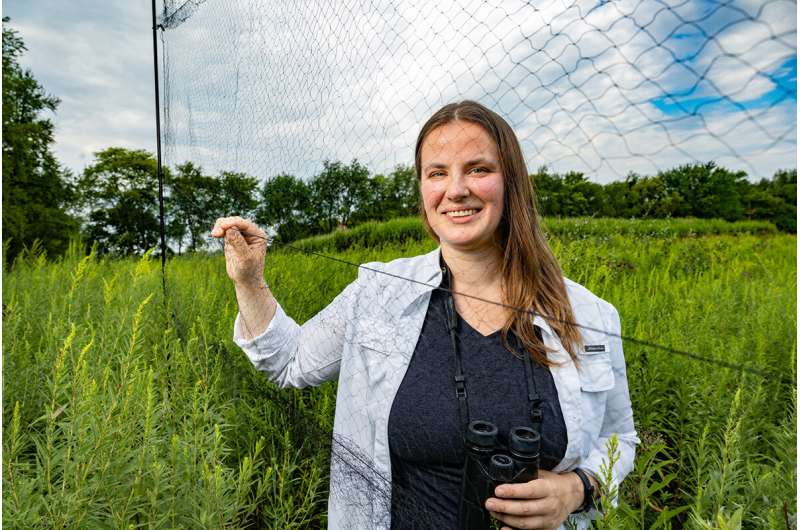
397 351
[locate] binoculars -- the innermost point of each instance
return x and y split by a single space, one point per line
489 464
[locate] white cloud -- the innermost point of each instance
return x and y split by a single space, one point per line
97 58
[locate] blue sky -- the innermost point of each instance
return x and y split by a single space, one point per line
784 79
605 87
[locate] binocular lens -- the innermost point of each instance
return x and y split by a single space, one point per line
502 468
482 433
501 461
525 441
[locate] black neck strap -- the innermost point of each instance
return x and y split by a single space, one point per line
460 379
452 325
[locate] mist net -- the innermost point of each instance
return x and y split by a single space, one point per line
601 87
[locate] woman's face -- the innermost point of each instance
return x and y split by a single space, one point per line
461 185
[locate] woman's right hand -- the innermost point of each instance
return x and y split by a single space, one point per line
245 250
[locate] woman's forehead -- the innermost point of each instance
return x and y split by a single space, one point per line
458 138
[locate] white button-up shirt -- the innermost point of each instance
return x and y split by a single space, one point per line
366 337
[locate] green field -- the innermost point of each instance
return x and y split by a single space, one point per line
125 410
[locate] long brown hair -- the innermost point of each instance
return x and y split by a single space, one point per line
531 276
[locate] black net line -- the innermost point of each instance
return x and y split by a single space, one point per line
358 485
766 374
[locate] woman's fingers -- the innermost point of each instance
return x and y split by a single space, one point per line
533 489
519 507
533 504
235 241
246 226
516 521
245 248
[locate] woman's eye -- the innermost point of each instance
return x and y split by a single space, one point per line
479 170
436 174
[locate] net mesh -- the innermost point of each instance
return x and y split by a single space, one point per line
606 88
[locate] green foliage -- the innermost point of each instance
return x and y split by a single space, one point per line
193 199
609 490
237 194
36 190
117 415
648 198
119 197
285 203
368 235
392 196
119 200
339 196
410 229
568 195
704 191
338 193
707 191
774 200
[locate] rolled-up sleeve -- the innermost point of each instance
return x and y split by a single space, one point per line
618 415
293 355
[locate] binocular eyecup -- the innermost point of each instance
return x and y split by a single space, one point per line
489 463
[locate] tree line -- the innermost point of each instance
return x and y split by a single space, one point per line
113 203
117 201
702 190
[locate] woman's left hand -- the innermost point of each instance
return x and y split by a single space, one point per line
542 503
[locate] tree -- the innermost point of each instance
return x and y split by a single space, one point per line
378 203
387 197
618 199
650 198
773 199
196 200
706 190
784 186
237 195
581 197
338 193
571 194
284 207
404 186
191 205
119 196
36 189
547 188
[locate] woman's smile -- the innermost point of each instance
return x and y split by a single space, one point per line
463 215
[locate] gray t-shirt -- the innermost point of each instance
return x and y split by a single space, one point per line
425 429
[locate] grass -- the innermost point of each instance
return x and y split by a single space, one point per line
410 229
125 409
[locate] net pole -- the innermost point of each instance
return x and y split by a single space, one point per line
160 171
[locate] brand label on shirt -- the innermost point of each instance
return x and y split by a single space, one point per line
593 348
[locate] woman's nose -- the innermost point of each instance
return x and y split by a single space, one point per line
457 188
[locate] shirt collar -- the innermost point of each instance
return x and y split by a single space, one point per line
425 277
428 276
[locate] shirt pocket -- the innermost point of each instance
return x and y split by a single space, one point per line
595 371
374 337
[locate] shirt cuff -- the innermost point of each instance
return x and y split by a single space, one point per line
244 343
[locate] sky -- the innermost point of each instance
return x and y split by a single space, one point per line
607 88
